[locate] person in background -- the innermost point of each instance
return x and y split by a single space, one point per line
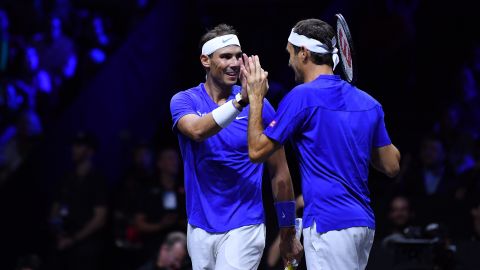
79 212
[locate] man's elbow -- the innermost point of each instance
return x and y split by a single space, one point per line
255 156
393 170
198 135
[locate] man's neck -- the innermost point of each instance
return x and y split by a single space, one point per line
219 93
312 71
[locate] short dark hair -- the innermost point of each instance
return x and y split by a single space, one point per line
217 31
175 237
321 31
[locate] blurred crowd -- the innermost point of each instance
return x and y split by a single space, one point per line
49 51
427 218
139 223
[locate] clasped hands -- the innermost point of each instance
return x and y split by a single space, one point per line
253 78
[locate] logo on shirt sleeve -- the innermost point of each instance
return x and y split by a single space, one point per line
273 123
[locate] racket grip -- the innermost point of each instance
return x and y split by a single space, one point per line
298 228
298 233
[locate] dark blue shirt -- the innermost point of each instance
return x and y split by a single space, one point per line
223 188
333 127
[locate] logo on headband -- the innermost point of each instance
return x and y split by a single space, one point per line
226 39
219 42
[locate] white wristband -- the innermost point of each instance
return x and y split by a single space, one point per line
225 114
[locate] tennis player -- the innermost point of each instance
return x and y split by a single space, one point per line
336 130
223 187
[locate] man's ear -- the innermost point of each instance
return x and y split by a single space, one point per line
304 54
205 60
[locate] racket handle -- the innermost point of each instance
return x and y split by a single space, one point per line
298 228
298 233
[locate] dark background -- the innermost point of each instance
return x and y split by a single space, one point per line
411 56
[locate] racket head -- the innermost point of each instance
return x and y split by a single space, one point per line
346 50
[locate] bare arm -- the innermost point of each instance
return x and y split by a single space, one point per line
96 223
282 186
273 254
289 247
260 147
144 226
386 159
254 79
200 128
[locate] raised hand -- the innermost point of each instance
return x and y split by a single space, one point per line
243 79
254 76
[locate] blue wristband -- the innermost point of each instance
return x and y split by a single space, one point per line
285 213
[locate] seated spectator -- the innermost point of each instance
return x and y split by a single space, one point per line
469 248
79 213
172 254
127 196
400 216
161 204
125 203
470 180
432 175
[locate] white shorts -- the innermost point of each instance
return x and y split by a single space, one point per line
238 249
346 249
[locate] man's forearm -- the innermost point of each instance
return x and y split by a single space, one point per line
255 130
282 190
200 128
147 227
282 186
255 123
95 224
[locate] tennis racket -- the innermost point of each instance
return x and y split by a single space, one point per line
345 46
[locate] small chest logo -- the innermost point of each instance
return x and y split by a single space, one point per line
272 124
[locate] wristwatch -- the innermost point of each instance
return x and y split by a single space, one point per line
240 100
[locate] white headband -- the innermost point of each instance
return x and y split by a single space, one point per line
314 45
219 42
